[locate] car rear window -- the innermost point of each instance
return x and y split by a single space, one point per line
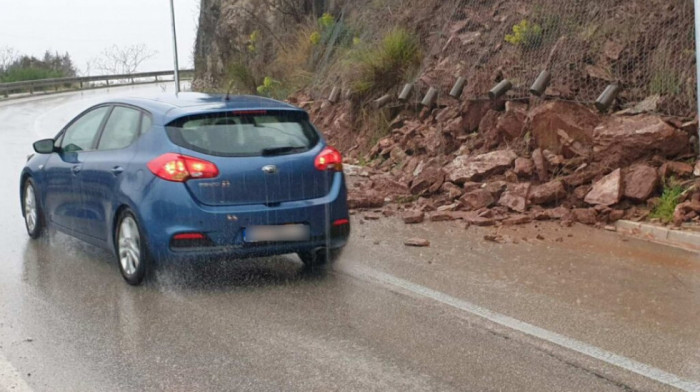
246 133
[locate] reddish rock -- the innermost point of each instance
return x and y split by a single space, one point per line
607 191
621 140
540 165
678 169
682 211
488 128
472 113
524 167
587 216
615 215
441 216
696 169
510 125
474 219
496 188
471 186
477 199
576 120
467 168
581 192
518 219
550 192
640 182
365 200
385 185
413 217
417 242
515 197
453 191
553 160
428 181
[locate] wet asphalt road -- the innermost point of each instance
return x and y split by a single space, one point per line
464 314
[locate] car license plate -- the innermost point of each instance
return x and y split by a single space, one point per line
281 233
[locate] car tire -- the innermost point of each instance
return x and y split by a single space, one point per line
31 210
132 252
319 257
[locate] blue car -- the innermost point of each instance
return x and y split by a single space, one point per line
193 176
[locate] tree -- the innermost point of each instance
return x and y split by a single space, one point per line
8 56
123 60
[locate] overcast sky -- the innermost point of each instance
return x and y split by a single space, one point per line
83 28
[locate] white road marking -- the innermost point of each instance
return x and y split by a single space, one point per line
608 357
10 380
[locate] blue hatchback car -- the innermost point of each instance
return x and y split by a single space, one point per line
186 177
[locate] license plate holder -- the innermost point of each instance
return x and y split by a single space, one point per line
277 233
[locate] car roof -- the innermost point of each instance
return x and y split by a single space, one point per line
166 108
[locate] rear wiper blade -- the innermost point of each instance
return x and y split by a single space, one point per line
281 150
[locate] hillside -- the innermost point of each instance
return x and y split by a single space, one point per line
471 158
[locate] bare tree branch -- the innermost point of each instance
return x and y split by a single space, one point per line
123 60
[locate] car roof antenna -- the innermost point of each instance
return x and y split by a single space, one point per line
228 91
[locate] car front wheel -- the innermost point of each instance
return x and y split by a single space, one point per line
33 219
131 249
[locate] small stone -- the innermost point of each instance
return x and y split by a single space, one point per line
587 216
540 237
372 216
610 228
524 167
607 191
413 217
493 238
417 242
477 199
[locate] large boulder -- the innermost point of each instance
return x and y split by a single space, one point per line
477 199
550 192
621 140
427 182
640 182
468 168
515 197
607 191
511 124
577 121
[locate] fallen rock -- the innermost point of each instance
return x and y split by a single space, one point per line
372 216
696 170
466 168
427 182
511 124
615 215
417 242
519 219
473 111
515 197
477 199
607 191
679 169
453 191
413 217
640 182
365 200
524 167
576 120
550 192
683 209
497 238
540 165
587 216
473 218
441 216
619 141
355 171
496 188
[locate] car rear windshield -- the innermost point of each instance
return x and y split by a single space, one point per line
244 133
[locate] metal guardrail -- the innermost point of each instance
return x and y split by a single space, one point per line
84 82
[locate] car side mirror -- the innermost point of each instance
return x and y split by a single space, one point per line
44 146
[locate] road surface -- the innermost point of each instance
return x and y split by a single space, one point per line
580 310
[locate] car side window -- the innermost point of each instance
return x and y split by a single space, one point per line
121 129
146 123
80 136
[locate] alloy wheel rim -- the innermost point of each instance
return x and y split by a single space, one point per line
129 246
30 211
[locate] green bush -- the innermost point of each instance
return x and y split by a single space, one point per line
384 64
22 74
526 35
665 82
667 204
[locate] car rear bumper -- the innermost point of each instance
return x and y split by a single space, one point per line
169 209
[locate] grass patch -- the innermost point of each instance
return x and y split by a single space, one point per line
382 65
667 203
665 82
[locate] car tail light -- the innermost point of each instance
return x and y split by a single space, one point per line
329 159
180 168
341 222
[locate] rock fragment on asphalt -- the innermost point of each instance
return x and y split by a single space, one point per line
417 242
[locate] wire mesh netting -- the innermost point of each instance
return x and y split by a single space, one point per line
647 47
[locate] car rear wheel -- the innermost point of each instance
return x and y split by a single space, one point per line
317 258
33 219
132 252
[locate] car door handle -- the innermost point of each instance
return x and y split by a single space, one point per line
117 170
76 169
